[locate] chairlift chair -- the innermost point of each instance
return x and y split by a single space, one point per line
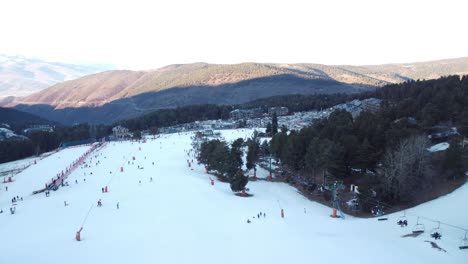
436 233
418 228
377 210
464 242
402 220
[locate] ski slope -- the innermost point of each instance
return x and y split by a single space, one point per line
170 213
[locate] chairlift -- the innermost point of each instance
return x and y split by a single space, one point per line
436 233
464 242
377 210
418 228
402 220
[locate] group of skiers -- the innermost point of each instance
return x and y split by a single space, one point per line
259 215
17 198
13 207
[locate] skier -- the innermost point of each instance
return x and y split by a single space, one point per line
151 179
65 203
99 203
102 189
78 235
118 205
248 221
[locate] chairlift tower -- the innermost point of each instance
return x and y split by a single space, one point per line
334 187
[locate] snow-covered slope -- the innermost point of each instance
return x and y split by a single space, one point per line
6 133
170 213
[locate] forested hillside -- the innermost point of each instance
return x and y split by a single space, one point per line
386 150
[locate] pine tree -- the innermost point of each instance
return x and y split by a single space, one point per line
274 124
253 151
238 182
268 128
453 161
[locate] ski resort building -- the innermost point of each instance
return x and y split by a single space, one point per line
121 132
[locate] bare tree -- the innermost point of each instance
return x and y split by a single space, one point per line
405 168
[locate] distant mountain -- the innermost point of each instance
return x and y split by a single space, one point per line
21 76
113 95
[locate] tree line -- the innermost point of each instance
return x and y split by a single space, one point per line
385 151
225 160
42 141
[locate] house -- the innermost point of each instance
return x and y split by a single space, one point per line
245 113
39 128
371 105
208 133
121 132
443 132
280 111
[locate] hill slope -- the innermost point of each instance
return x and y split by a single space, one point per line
98 89
17 118
20 76
169 213
115 95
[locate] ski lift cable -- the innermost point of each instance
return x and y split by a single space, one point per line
406 212
86 217
123 164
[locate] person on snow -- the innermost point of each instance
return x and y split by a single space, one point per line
65 203
118 205
99 203
78 234
248 221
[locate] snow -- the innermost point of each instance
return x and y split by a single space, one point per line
7 133
17 164
439 147
179 217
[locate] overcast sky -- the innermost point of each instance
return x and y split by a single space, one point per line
137 34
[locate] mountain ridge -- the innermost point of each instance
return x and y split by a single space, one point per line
130 93
22 76
100 88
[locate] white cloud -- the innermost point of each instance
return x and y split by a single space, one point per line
141 34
